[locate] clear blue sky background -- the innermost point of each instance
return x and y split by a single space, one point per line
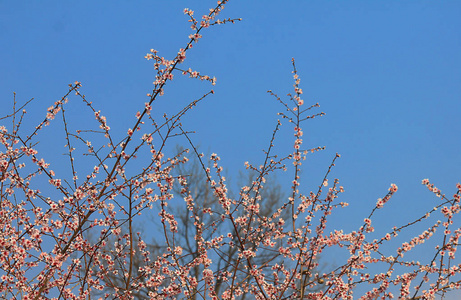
386 73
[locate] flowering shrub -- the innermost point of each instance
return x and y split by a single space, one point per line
46 218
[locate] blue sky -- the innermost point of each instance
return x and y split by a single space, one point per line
386 73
